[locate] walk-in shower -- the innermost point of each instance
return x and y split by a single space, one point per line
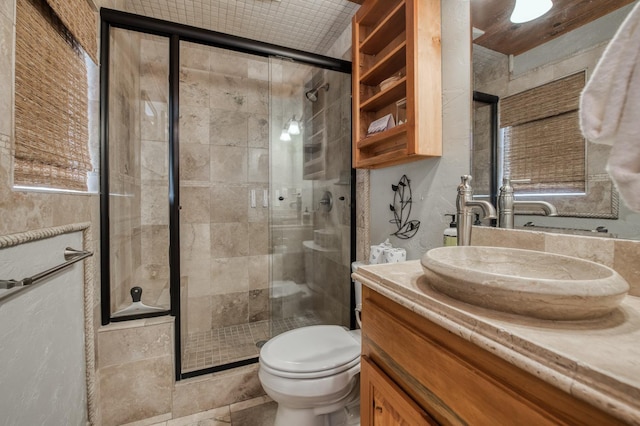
219 221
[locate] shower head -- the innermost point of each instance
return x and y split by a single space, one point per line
312 95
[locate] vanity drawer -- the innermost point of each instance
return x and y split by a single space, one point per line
457 382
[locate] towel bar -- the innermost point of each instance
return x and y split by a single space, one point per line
71 256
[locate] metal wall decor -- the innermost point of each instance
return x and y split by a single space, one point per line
401 209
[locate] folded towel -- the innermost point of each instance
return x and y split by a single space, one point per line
610 107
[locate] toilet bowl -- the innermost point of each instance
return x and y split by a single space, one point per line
313 374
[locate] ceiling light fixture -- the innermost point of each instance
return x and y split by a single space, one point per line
285 136
294 126
528 10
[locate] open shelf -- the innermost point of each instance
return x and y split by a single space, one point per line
381 137
391 27
386 97
397 37
393 62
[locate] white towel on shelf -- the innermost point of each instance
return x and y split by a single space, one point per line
610 107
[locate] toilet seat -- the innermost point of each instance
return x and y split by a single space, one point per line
310 352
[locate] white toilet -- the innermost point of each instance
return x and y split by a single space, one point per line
313 373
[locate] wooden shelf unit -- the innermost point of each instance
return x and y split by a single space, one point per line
397 38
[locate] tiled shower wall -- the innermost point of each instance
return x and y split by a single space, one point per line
224 154
331 269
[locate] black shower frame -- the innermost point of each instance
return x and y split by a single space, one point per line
176 33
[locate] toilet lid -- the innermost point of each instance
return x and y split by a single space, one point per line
317 350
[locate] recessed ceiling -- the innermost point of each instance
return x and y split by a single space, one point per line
307 25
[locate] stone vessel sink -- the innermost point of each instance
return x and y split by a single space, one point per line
525 282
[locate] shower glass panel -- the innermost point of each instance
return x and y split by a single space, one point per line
224 167
310 185
264 223
250 256
137 174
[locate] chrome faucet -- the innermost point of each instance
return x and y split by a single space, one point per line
507 203
465 204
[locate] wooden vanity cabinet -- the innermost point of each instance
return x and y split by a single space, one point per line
389 405
415 372
397 39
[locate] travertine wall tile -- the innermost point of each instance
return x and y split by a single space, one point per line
626 263
199 313
498 237
119 346
229 203
136 390
225 241
7 31
229 164
229 275
230 309
216 390
195 123
194 162
590 248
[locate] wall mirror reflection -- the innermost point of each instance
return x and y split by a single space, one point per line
536 70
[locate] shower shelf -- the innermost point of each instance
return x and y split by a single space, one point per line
312 147
397 38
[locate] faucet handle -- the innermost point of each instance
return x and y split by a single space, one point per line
507 188
465 184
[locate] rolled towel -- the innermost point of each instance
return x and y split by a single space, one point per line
395 255
610 108
376 254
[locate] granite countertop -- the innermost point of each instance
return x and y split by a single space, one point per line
597 361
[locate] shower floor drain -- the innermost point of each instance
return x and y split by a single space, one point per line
260 343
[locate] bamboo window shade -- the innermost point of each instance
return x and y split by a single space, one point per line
51 100
542 137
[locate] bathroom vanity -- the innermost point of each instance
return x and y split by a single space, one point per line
430 359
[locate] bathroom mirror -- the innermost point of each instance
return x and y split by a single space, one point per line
510 59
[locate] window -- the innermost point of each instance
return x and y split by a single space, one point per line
51 93
542 137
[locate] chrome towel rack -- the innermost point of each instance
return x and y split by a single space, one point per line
70 255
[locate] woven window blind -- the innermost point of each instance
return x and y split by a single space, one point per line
80 18
51 122
542 137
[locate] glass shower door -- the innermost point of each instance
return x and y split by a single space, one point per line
138 194
310 186
224 158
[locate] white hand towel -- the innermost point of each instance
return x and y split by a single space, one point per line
610 107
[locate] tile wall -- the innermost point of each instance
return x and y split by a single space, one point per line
224 154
